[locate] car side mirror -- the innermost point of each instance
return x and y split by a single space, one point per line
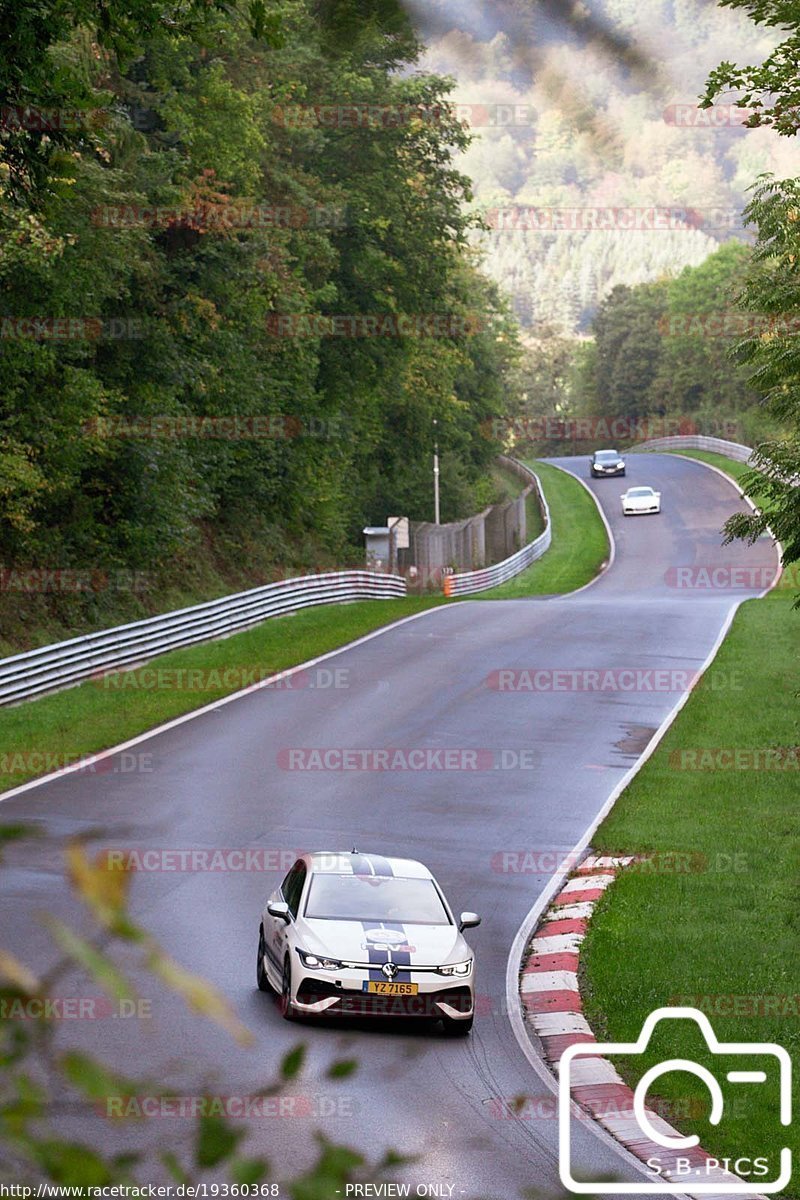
468 920
279 909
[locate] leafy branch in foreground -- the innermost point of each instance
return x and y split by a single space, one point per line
770 90
772 354
772 484
40 1080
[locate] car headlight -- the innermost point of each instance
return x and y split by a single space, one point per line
462 968
317 963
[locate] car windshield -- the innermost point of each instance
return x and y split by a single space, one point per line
606 455
641 491
375 898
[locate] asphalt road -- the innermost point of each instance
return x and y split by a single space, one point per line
217 782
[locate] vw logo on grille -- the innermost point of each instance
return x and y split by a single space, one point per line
389 969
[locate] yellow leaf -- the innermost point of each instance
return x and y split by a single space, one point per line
200 996
104 890
15 972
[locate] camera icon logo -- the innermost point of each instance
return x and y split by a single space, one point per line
676 1164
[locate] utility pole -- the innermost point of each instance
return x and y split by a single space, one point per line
435 473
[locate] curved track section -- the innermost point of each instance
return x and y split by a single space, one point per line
219 781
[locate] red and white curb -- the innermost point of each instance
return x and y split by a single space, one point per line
552 1006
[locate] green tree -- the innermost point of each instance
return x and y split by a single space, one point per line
197 112
772 358
629 347
696 377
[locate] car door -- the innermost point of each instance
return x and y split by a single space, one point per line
279 934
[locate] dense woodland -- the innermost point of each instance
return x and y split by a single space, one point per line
242 256
595 112
592 114
661 360
167 181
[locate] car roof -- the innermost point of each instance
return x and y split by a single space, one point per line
607 452
340 862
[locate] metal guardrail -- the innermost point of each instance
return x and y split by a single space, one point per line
469 582
734 450
63 663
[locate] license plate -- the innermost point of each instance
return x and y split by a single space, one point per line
389 989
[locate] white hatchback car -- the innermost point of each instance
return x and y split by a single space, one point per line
364 935
640 500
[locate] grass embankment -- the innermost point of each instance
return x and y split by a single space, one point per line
722 931
580 543
728 465
510 485
94 715
36 610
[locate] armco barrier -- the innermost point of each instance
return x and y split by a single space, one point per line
64 663
480 581
732 450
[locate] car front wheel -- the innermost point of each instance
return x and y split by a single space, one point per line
288 1010
261 975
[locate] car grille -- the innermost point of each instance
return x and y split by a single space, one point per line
362 1004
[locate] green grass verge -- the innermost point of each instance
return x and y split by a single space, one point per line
94 715
718 929
580 543
510 486
728 465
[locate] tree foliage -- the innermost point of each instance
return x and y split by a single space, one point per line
662 355
770 89
589 144
772 360
168 178
770 92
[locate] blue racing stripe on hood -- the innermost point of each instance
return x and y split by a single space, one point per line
382 952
